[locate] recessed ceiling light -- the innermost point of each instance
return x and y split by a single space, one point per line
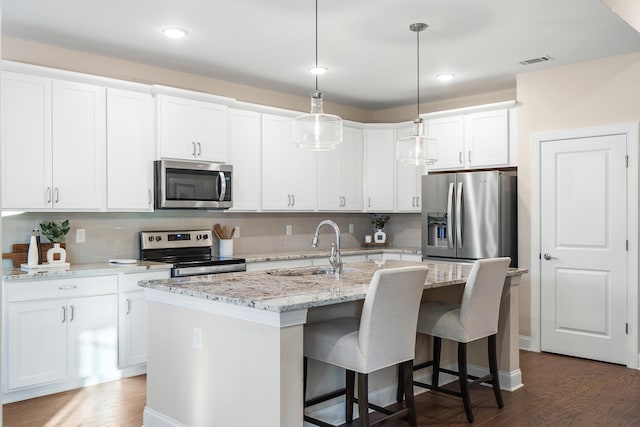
445 77
317 70
174 32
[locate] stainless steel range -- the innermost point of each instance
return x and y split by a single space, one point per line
190 252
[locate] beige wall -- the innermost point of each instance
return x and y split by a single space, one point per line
595 93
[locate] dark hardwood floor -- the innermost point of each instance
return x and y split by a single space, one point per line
558 391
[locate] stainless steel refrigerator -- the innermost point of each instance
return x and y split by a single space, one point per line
470 215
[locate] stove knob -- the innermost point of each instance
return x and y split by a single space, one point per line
158 238
198 237
151 238
205 236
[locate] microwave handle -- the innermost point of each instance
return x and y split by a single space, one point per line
223 185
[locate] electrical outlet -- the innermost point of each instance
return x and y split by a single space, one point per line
197 338
351 228
287 230
80 235
236 232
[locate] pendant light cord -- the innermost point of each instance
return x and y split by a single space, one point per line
418 72
316 45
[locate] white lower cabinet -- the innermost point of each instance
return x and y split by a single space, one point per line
133 317
58 330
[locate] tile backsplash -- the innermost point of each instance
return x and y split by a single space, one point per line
115 235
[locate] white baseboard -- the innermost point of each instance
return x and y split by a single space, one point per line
525 343
334 414
152 418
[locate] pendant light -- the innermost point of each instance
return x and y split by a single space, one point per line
317 131
417 149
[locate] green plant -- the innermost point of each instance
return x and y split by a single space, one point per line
55 231
379 221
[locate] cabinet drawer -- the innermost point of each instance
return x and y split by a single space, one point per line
129 281
20 290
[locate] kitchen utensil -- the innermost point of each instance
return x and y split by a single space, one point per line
219 231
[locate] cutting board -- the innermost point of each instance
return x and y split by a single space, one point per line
20 250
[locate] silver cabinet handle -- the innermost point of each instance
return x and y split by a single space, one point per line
57 193
293 198
128 305
194 148
449 213
460 157
458 216
417 201
469 156
289 198
149 197
369 201
48 195
71 313
344 201
64 314
62 288
199 149
547 256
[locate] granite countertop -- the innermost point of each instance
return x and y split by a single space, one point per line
281 290
319 253
91 269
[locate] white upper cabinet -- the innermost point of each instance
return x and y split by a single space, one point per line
191 130
449 132
473 140
244 155
288 172
26 141
379 169
340 173
130 150
408 180
53 144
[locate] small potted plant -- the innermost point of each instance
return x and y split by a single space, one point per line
56 232
378 222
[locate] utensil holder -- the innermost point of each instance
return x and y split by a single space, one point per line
225 247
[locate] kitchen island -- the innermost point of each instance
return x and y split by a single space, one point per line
227 350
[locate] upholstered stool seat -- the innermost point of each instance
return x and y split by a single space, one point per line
383 336
475 318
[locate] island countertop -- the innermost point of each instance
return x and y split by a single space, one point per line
295 289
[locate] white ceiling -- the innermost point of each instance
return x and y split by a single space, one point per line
366 44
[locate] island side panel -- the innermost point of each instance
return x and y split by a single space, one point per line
245 374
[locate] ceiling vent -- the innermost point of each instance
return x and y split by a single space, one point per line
532 61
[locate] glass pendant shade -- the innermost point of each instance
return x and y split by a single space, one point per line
417 149
317 131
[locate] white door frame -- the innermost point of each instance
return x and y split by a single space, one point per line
632 133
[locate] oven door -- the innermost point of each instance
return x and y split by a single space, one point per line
192 185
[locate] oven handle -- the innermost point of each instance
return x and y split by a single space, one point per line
223 186
196 271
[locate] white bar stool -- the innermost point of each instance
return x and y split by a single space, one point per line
383 336
475 318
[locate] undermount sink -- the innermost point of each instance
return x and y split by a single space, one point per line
318 271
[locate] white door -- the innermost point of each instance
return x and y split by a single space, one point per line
276 145
303 169
583 247
211 132
449 132
244 149
350 169
177 127
379 163
135 328
486 138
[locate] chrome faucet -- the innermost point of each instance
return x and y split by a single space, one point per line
335 259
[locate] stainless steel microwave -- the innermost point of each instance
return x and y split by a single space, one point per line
192 185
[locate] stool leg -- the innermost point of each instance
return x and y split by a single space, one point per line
493 367
304 378
463 379
400 389
407 370
350 385
363 398
437 347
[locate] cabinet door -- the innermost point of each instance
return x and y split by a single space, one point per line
329 179
406 191
93 335
135 328
379 161
130 150
276 145
351 169
449 131
487 138
177 128
78 137
245 151
211 132
26 141
303 167
36 342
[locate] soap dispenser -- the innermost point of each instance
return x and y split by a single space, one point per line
32 254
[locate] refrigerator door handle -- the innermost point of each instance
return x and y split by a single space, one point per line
449 212
459 215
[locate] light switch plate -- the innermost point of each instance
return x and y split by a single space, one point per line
80 235
287 230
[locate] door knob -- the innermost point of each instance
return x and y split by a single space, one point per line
547 257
